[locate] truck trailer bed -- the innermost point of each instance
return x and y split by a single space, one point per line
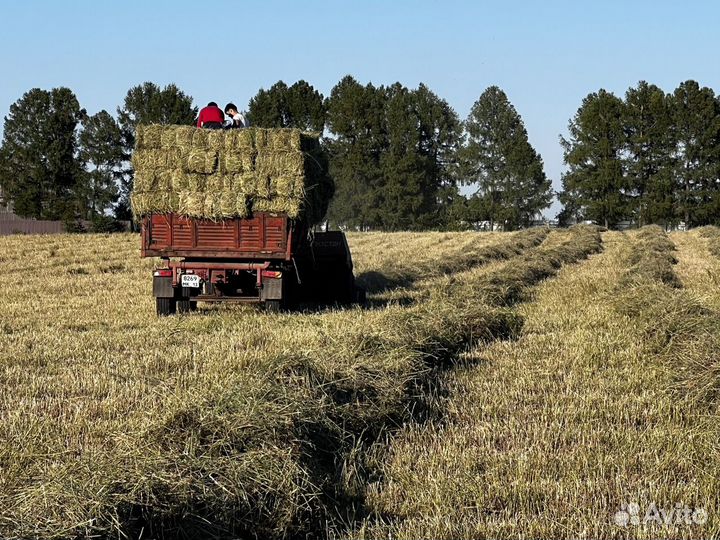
263 236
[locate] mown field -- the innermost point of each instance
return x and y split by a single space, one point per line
510 385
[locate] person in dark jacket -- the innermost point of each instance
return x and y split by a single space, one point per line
211 117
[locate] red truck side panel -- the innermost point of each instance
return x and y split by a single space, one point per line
264 236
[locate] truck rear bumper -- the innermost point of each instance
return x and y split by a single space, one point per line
217 279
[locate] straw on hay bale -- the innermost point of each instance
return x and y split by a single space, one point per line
202 161
191 203
184 136
233 163
217 174
144 181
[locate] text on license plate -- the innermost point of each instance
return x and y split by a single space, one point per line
189 280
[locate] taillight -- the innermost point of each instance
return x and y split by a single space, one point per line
271 274
163 273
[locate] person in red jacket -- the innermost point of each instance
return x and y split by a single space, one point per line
211 117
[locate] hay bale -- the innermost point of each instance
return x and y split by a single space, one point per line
213 205
202 161
262 186
228 204
242 205
215 183
281 140
216 139
233 163
154 159
260 137
197 182
142 161
288 186
154 201
144 180
191 203
200 140
148 137
175 158
252 185
229 182
245 140
184 136
179 181
292 207
163 181
139 138
217 174
168 137
280 163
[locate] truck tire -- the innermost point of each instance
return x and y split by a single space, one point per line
165 306
273 306
345 288
360 296
186 305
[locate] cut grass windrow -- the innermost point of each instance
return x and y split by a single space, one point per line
237 424
412 257
591 410
713 239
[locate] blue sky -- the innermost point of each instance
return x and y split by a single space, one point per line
546 55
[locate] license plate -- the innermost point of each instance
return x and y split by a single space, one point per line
190 280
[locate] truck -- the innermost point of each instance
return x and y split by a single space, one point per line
266 258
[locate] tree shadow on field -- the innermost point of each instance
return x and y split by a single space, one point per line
427 400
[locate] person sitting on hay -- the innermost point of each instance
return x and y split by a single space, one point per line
237 119
211 117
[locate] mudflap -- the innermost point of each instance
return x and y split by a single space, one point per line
162 287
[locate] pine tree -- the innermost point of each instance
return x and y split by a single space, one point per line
268 108
148 104
697 151
402 199
647 121
297 106
498 157
440 136
356 119
392 155
102 155
39 170
595 183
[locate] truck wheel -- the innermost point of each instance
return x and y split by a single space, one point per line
272 306
165 306
186 305
345 289
360 296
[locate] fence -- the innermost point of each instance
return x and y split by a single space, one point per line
35 226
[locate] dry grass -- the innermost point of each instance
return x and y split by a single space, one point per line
370 423
226 422
607 398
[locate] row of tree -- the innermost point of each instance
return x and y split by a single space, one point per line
398 155
58 162
653 157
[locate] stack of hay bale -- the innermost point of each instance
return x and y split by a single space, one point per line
217 174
